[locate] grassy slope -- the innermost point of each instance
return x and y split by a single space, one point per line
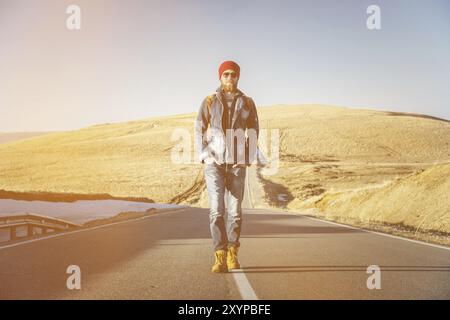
130 159
362 164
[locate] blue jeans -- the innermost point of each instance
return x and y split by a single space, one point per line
222 180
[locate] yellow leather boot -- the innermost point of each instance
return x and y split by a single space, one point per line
220 263
232 259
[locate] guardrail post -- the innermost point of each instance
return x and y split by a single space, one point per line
12 233
29 230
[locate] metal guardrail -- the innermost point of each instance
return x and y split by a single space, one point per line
32 221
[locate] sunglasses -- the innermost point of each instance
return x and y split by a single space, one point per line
232 74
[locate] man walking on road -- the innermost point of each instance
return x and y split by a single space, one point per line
226 133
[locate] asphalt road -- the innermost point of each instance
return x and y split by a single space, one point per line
169 256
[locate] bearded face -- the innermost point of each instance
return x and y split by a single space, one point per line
229 80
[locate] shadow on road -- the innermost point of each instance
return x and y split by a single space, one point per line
278 269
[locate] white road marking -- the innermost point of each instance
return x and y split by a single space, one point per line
244 287
242 283
84 230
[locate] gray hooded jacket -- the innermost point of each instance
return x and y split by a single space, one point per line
238 145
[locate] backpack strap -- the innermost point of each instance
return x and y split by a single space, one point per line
209 100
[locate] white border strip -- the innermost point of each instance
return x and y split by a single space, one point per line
374 232
87 229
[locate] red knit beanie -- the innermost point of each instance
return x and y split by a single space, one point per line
229 65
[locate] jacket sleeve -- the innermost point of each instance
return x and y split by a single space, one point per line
252 120
252 124
201 125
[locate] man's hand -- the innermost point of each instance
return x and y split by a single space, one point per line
210 160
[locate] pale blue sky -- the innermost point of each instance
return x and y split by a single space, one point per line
137 59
